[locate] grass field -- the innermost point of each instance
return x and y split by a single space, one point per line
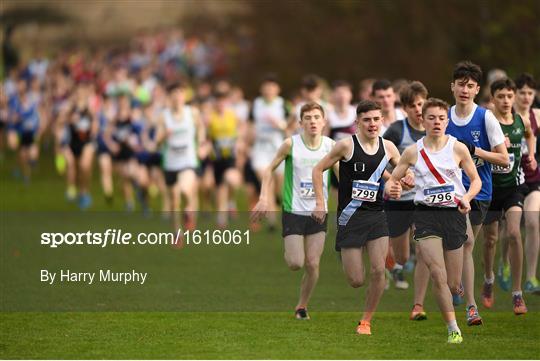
206 302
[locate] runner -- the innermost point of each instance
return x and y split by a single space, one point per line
526 92
303 237
508 195
477 128
121 139
269 119
82 125
400 212
26 124
181 131
361 222
441 204
383 93
223 132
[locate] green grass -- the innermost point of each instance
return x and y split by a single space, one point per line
206 302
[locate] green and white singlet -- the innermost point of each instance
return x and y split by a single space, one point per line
512 175
298 192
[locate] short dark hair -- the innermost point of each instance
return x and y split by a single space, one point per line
467 70
381 84
340 84
525 79
435 103
309 107
412 90
220 94
504 83
176 85
270 78
366 106
311 82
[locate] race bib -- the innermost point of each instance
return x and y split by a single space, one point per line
306 189
364 191
478 162
439 195
497 169
178 150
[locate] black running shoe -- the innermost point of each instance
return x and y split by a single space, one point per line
301 314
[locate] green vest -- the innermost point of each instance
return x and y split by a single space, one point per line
512 175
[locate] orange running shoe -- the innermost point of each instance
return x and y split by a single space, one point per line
418 313
363 328
519 305
488 296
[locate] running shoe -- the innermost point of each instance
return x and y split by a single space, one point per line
532 286
399 279
71 193
504 277
85 201
301 314
473 318
363 328
488 297
418 313
519 305
457 298
409 265
455 337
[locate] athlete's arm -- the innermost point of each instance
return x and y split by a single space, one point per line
204 147
530 139
341 150
393 185
260 208
499 153
467 164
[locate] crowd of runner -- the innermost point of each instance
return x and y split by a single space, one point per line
150 122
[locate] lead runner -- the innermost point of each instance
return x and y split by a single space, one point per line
441 204
361 220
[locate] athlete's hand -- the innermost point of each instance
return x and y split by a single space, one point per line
393 189
259 211
319 214
464 206
532 161
407 182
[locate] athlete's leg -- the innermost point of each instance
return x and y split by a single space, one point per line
421 278
377 250
313 247
491 236
71 173
433 255
532 228
468 262
400 247
353 266
106 167
294 251
85 168
188 187
157 176
515 248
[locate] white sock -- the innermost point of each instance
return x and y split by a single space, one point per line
452 326
397 267
516 293
489 281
